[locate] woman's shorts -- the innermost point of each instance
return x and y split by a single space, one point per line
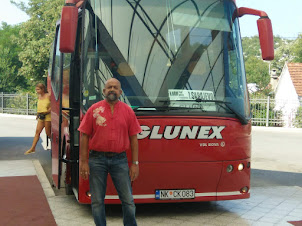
47 118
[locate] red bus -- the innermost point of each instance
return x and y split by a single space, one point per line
181 67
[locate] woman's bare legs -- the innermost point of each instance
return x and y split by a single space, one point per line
39 129
47 131
47 125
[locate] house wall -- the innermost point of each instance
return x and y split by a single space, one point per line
286 97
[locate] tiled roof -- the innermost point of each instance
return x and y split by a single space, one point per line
295 71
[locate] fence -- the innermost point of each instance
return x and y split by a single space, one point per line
18 104
276 112
266 112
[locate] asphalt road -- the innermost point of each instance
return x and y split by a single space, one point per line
16 136
276 157
276 152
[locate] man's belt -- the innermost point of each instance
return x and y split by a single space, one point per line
107 154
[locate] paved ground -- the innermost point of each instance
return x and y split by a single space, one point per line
271 204
267 206
277 149
23 200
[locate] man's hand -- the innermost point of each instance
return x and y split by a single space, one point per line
134 169
134 172
84 170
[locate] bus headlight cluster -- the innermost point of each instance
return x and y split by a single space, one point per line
244 190
230 168
240 167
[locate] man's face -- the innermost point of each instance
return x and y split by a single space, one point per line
112 90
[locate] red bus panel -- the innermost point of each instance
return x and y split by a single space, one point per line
188 153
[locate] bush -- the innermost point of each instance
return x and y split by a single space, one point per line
298 118
259 113
17 103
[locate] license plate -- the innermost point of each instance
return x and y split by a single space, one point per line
175 194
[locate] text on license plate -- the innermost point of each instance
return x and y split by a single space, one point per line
175 194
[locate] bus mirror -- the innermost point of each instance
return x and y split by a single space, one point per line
69 22
264 28
266 38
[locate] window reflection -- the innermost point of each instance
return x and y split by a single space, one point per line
157 47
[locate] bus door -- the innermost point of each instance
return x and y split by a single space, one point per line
72 70
56 110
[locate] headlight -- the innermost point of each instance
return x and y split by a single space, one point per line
244 190
240 167
229 168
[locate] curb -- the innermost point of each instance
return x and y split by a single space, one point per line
276 129
18 116
49 193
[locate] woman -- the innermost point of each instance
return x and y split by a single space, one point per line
43 116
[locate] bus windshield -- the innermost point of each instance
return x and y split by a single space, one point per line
176 56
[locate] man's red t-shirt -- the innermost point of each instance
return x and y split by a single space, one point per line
109 132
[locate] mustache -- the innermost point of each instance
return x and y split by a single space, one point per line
112 96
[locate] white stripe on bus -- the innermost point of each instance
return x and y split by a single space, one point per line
152 196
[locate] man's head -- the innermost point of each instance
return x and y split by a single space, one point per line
112 90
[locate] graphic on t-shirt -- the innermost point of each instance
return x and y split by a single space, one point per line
100 120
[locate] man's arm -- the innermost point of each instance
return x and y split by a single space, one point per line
84 167
134 169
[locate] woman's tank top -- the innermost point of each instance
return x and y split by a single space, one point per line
43 105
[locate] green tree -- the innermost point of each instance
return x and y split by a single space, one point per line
298 119
283 53
297 49
10 81
283 50
251 47
257 71
36 36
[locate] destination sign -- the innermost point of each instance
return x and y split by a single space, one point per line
183 98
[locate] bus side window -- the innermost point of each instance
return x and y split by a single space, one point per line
55 75
51 59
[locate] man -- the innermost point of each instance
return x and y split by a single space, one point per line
109 127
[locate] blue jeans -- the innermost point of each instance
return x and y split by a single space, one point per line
117 166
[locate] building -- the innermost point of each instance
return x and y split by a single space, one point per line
288 93
274 79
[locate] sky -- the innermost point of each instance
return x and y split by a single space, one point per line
286 16
10 14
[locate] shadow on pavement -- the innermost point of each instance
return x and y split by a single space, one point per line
13 148
265 178
167 209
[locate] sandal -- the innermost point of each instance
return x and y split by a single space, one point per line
29 152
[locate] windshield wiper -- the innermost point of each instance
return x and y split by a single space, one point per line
162 108
224 105
197 100
221 103
241 118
